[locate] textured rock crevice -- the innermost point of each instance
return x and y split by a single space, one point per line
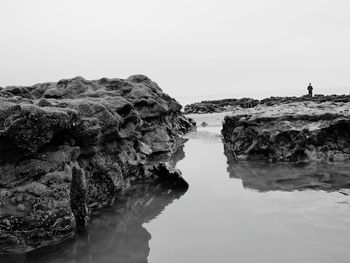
293 132
68 147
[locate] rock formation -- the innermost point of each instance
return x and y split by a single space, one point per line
68 147
219 105
292 132
232 104
318 98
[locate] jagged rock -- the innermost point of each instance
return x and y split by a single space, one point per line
294 132
158 140
168 176
69 146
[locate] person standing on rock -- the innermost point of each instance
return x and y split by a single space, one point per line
310 88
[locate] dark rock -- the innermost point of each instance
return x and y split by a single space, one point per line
119 232
219 105
78 200
74 144
169 176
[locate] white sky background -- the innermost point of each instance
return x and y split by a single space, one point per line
193 49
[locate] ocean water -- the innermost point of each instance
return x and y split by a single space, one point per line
246 212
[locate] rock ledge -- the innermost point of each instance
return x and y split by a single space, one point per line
292 132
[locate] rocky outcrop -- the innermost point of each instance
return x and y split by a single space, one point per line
292 132
318 98
225 105
68 147
219 105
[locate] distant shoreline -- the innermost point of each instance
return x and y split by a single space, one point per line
221 105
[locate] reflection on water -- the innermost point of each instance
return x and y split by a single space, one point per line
115 234
263 176
218 220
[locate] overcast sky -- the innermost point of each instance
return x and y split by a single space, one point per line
192 49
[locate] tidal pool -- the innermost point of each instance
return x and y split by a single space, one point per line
232 212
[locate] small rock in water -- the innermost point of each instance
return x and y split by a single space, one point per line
169 176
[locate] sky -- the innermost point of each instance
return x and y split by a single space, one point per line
194 49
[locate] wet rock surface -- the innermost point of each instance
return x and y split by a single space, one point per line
68 147
291 132
224 105
113 233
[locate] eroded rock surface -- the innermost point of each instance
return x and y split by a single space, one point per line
67 147
292 132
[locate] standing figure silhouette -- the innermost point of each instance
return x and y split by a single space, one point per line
310 88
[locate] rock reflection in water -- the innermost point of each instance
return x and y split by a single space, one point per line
115 234
264 177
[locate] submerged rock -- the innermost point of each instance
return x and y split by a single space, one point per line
204 124
69 146
293 132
